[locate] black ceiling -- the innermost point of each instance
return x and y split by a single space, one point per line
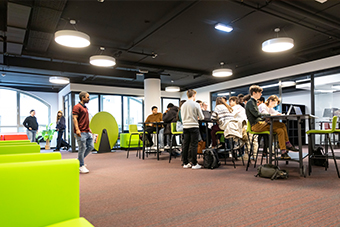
180 33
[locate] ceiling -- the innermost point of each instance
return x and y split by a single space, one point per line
175 39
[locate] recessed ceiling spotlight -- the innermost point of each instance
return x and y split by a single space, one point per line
3 74
223 27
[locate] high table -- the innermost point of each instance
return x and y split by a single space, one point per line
298 118
157 124
206 121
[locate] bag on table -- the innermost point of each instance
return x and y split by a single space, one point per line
271 171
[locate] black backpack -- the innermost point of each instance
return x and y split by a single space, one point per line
321 157
210 159
271 171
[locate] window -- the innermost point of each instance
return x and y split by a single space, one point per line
113 105
133 111
166 101
16 106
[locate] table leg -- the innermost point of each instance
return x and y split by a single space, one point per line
157 141
300 147
271 141
143 155
206 134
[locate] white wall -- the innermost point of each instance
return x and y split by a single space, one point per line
203 93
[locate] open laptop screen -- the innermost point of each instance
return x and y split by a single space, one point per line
297 110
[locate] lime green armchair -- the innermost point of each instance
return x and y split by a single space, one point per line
40 193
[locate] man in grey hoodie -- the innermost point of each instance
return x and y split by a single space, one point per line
190 113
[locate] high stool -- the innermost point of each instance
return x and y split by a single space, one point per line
133 131
174 133
227 151
264 133
327 142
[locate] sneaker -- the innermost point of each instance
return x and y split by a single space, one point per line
285 156
197 166
187 166
292 148
83 169
166 147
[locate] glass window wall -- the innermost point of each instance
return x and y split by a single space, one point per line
133 111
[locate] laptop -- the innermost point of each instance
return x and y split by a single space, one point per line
297 110
289 110
207 115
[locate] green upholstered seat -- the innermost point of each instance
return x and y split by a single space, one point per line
4 142
77 222
39 193
173 129
252 132
19 149
29 157
133 129
124 140
327 131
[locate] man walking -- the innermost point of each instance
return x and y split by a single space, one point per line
32 126
82 129
190 113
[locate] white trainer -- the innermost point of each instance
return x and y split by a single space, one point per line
197 166
187 166
167 147
83 169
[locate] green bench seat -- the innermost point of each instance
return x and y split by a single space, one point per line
29 157
4 142
40 193
19 149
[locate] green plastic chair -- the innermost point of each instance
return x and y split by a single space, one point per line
264 133
311 146
174 133
133 131
226 152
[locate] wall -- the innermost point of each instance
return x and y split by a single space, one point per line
203 93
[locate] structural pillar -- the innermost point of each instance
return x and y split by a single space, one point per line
152 93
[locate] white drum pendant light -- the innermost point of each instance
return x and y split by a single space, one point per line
277 44
72 38
222 72
172 89
102 60
59 80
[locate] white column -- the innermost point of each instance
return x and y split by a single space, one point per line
152 95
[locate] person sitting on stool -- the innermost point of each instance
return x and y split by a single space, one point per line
154 117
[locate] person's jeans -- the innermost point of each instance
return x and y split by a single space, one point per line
190 145
60 141
85 146
161 137
31 134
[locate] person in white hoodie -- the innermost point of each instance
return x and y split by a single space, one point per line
190 113
238 111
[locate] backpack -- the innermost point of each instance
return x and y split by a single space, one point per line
321 157
210 159
271 171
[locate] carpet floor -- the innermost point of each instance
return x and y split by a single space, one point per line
134 192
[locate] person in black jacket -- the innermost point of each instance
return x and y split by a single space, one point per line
32 126
169 116
61 128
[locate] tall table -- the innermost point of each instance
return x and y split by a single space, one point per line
298 118
157 124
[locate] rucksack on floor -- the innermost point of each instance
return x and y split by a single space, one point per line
210 159
321 157
271 171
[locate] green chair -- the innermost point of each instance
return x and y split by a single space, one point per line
226 151
327 133
133 131
19 149
40 193
251 143
29 157
174 133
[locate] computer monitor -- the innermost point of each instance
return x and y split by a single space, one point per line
327 112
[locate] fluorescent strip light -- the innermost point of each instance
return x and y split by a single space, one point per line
172 89
271 85
325 91
287 83
223 28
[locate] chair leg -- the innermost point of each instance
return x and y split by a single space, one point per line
258 150
250 150
334 158
170 152
127 156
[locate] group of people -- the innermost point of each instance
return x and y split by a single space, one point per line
252 107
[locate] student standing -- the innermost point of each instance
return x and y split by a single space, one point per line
190 113
32 125
60 129
82 129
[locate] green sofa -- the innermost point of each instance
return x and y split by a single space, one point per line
19 149
29 157
8 142
40 193
124 140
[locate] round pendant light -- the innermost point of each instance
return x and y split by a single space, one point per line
278 44
59 80
172 89
222 72
102 60
72 38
